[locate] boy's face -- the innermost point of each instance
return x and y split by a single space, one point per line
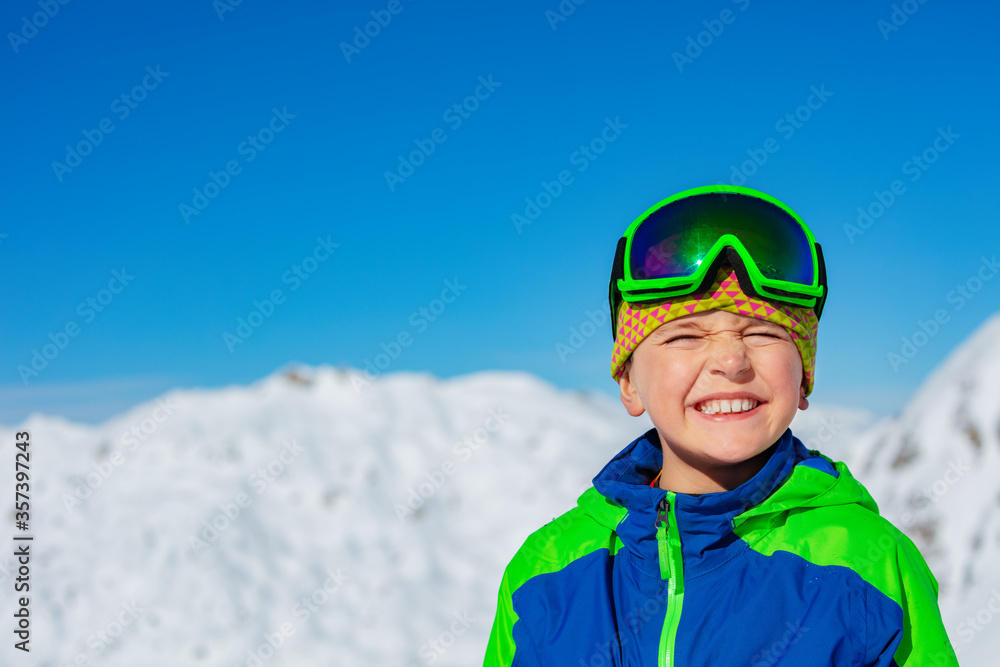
698 356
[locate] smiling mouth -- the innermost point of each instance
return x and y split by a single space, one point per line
727 406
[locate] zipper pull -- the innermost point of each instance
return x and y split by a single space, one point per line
661 511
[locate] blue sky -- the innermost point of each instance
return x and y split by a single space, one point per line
204 150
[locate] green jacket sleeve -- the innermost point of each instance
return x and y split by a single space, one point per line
925 640
500 650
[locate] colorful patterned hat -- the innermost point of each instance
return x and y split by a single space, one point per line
636 321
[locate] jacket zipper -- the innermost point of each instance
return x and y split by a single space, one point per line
672 569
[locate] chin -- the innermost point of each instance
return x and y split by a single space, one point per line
736 453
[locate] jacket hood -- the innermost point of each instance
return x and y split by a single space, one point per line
793 477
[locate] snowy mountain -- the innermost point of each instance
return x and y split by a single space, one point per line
343 524
314 518
935 472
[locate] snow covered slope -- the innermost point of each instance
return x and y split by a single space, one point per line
345 526
310 520
935 472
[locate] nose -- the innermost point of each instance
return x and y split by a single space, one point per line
728 357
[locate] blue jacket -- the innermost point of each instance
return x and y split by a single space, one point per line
794 567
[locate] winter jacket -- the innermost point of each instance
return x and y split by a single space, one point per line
794 567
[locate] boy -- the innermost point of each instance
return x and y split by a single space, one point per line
717 538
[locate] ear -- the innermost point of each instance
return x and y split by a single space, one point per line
629 394
803 401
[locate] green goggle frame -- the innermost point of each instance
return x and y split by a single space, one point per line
677 246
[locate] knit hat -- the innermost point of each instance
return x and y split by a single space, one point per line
636 321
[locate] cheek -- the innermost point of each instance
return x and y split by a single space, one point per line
782 368
664 364
794 362
674 375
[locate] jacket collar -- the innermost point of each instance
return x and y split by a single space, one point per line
705 521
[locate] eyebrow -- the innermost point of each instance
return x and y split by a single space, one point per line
687 324
693 324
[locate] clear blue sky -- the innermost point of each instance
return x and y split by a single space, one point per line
267 92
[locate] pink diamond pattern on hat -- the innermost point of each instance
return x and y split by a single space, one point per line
636 321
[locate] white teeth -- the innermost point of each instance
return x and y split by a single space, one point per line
726 406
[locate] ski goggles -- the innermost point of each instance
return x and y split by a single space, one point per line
677 246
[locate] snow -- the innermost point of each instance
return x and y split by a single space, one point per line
934 471
349 522
297 481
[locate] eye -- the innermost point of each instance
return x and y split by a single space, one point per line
763 334
671 340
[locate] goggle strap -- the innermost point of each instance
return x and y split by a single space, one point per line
617 272
820 302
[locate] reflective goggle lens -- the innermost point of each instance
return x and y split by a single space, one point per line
674 240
